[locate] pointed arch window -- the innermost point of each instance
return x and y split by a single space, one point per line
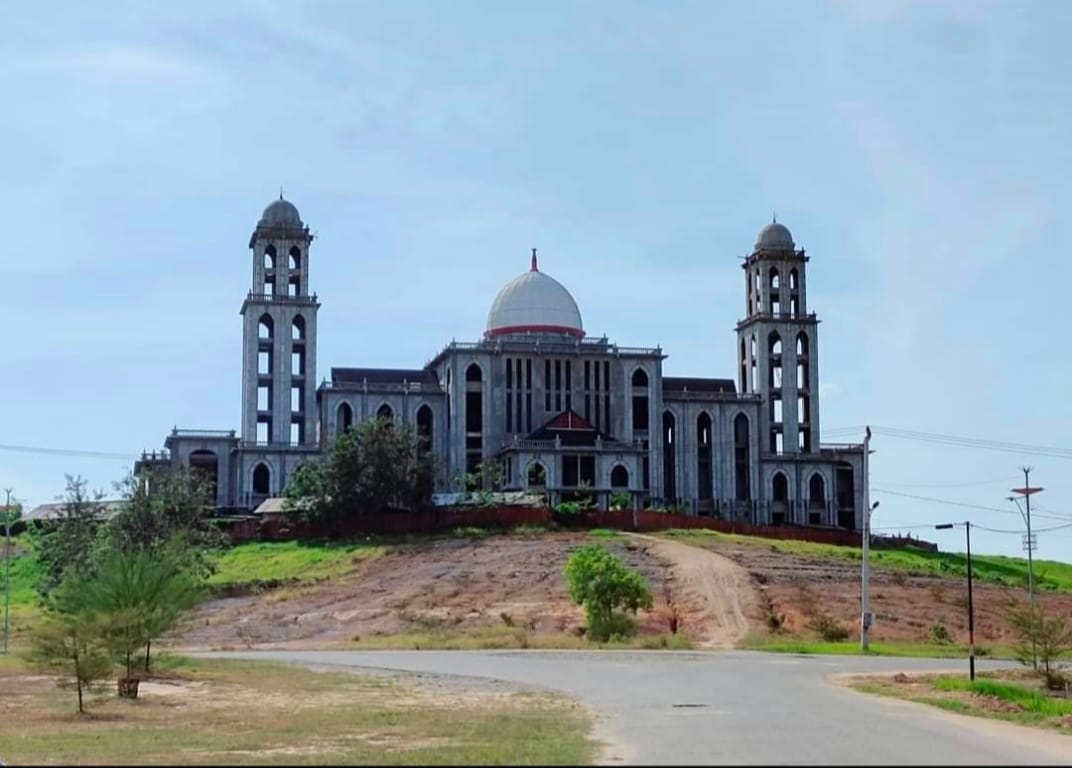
265 327
297 329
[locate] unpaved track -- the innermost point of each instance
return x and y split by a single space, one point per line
716 593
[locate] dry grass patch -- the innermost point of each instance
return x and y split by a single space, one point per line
236 712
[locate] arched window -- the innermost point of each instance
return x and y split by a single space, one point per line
619 477
295 259
264 327
817 491
793 279
640 401
741 453
297 329
669 450
744 367
704 440
269 257
775 343
424 426
802 344
536 475
385 412
774 279
780 488
344 418
474 418
262 480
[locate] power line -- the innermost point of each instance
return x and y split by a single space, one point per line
952 485
1056 516
973 442
67 452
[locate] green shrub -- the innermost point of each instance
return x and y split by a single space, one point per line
621 500
940 634
603 585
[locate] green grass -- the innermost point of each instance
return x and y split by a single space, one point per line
1030 699
1050 575
25 572
983 697
219 712
852 648
262 563
604 533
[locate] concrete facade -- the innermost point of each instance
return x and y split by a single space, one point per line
567 415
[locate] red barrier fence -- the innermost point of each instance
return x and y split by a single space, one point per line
447 518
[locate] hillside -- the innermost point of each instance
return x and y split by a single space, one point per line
912 591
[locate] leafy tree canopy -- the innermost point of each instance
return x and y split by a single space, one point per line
378 466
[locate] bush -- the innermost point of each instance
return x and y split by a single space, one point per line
602 584
828 628
940 634
621 500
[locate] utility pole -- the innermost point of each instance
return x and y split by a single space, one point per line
7 565
1029 543
971 609
865 544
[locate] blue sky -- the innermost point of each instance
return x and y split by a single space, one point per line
918 151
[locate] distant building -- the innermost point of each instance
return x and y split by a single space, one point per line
566 414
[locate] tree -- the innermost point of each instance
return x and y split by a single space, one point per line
1048 637
167 511
138 595
71 544
378 466
70 641
602 584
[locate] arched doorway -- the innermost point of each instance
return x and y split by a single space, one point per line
816 499
779 498
344 418
262 482
207 465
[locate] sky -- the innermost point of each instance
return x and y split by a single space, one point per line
918 151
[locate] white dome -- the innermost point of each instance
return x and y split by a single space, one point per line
774 237
534 303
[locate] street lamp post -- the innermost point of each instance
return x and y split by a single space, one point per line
971 610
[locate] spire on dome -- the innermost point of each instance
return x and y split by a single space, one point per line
534 268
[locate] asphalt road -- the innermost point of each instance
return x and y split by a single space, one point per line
734 707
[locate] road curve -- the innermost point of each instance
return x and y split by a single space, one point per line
733 707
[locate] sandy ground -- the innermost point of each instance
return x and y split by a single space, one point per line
714 595
461 586
906 606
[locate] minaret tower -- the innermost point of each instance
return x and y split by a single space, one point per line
778 345
279 333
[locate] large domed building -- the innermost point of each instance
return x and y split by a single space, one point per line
566 414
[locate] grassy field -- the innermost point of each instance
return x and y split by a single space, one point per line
214 712
1019 700
273 563
852 648
1050 575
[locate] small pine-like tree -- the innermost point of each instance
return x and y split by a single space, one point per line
70 544
1038 634
70 641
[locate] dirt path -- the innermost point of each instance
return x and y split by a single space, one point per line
714 595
